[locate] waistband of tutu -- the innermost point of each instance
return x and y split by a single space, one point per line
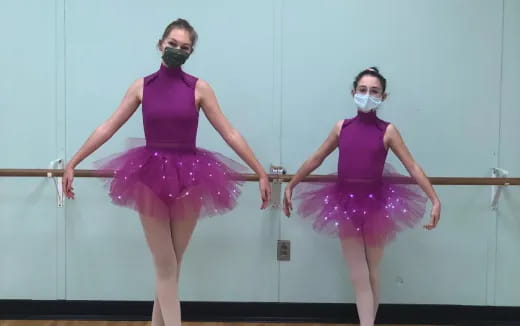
360 181
171 145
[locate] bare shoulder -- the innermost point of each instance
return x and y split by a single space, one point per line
202 86
137 84
203 93
392 131
136 89
337 127
392 136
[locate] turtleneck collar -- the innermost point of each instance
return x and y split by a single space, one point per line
170 72
370 116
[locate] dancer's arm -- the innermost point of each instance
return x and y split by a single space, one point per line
396 143
311 164
209 104
103 133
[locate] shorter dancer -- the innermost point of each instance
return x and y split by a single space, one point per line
362 207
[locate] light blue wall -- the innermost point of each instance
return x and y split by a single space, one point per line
508 222
282 71
28 137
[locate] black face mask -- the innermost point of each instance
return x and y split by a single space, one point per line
173 57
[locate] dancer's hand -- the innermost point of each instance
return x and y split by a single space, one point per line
287 201
434 216
66 182
265 191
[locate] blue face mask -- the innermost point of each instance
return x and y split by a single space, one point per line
367 103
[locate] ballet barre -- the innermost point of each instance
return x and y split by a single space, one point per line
497 181
441 181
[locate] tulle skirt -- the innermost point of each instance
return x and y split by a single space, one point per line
373 212
173 182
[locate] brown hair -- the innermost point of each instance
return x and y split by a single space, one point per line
372 71
181 24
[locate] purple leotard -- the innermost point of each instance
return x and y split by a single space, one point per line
168 176
373 210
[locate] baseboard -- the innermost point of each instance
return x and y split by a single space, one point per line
260 312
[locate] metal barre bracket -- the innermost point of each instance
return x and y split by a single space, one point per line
497 190
57 164
276 189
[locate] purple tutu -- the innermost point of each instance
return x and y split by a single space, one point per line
373 212
174 181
